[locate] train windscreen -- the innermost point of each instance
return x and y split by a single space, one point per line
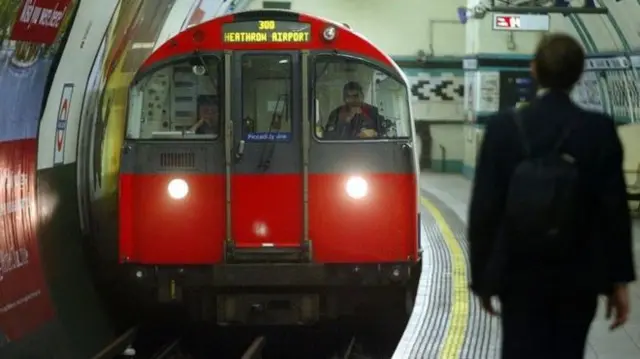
178 101
344 84
266 97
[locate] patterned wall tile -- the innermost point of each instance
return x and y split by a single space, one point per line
437 94
436 85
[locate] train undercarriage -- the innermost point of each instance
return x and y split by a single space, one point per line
283 293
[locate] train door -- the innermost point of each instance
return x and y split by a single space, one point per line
266 182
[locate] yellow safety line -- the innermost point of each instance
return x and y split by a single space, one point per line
459 315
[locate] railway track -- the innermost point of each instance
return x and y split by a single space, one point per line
170 350
348 354
177 348
352 350
255 349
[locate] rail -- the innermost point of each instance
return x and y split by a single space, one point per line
173 349
350 349
119 345
167 350
255 349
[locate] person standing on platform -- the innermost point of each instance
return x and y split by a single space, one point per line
549 227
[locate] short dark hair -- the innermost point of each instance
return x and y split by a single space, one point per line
558 61
351 86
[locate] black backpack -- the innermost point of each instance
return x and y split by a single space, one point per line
542 200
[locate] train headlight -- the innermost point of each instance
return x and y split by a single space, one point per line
357 187
178 188
329 33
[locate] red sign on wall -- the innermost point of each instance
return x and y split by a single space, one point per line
25 304
39 20
507 22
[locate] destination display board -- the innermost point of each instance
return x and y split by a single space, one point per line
266 31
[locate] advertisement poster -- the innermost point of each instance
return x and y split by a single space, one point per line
487 87
517 89
30 34
469 95
207 10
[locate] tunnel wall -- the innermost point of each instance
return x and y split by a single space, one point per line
56 312
100 55
49 307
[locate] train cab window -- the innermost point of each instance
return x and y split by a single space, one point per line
266 98
354 100
179 101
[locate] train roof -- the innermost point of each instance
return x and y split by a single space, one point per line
208 37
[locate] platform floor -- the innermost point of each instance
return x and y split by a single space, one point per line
447 322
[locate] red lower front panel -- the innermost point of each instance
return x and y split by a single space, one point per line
266 210
380 227
157 229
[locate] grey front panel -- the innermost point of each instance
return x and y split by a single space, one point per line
182 156
361 157
280 157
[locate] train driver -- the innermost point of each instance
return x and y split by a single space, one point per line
355 118
208 121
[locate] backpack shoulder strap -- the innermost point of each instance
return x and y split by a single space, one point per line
517 119
566 131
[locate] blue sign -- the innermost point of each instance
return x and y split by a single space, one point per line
268 137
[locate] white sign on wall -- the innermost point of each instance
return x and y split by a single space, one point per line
61 124
487 87
607 63
587 94
521 22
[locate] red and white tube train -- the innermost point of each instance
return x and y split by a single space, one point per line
268 174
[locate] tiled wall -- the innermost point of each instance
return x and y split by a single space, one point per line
610 84
437 98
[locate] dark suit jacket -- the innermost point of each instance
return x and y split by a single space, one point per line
604 255
369 119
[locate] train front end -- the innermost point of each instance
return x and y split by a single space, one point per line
238 201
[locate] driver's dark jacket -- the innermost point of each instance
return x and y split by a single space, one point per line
368 119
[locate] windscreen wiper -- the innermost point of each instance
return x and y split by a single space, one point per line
271 142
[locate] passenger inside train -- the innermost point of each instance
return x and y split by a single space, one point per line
356 101
208 120
177 101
